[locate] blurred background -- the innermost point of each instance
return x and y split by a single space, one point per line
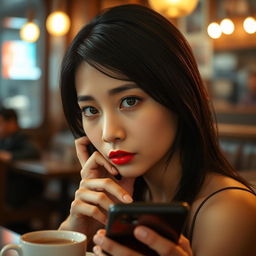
34 35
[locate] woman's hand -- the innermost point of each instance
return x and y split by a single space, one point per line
149 237
81 149
97 191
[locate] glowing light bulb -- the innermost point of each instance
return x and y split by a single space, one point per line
30 32
227 26
250 25
214 30
174 8
58 23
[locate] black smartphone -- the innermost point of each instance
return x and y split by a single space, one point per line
167 219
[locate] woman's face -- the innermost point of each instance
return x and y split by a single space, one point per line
129 128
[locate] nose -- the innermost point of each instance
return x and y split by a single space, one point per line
112 129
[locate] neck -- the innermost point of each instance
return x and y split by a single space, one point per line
163 179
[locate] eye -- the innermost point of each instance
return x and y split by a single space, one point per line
89 111
129 102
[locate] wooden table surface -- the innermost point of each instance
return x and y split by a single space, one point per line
47 168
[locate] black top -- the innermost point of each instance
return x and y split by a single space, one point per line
205 200
19 145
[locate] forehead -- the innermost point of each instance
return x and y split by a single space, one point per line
89 79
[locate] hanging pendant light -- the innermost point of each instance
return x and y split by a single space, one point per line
249 25
30 31
58 23
174 8
227 26
214 30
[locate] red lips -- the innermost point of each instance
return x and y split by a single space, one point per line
120 157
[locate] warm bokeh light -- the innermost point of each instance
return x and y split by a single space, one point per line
174 8
250 25
58 23
30 32
214 30
227 26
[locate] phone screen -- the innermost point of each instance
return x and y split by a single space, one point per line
167 219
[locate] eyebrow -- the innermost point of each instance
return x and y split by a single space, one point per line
113 91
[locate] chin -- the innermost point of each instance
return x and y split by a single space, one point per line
125 172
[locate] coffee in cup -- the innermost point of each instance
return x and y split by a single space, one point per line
49 242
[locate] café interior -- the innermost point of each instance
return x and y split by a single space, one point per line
222 34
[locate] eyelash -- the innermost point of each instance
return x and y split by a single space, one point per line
85 108
137 101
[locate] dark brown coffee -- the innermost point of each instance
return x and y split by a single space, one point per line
52 240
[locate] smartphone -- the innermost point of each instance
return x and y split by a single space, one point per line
167 219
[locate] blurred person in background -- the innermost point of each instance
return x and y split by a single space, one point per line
14 144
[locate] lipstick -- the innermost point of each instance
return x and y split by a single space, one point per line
120 157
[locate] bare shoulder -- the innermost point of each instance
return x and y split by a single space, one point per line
226 225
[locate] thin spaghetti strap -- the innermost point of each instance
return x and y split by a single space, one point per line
204 201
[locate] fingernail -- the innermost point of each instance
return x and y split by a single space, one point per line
127 198
101 232
96 250
118 176
142 233
113 169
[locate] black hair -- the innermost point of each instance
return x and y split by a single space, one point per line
8 114
133 42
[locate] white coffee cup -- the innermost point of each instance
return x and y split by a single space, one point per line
49 242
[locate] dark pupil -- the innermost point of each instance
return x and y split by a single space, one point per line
130 101
93 110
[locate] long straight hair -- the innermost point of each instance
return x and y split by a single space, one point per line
132 42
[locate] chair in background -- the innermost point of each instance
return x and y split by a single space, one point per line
38 210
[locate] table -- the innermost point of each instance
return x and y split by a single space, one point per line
47 170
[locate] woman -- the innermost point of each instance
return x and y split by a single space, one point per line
130 86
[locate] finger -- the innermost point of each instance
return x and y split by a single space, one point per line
81 208
81 149
111 246
93 166
185 244
161 245
96 198
98 251
108 185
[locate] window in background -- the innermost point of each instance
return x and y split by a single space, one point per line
21 80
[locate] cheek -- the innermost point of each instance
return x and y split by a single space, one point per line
158 131
92 133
